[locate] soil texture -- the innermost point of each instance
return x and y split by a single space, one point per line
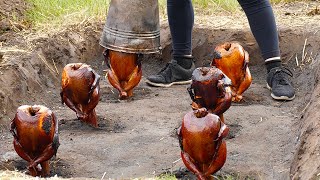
136 138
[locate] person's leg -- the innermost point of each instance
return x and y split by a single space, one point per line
263 26
179 70
181 19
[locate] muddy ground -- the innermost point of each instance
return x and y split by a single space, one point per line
136 137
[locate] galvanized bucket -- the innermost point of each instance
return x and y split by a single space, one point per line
132 26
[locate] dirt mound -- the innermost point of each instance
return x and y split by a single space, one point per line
12 15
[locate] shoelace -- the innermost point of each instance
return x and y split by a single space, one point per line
280 75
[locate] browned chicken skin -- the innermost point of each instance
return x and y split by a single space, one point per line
210 89
81 91
233 61
203 149
35 132
125 72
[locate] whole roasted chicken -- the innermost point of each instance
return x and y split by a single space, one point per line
203 149
81 91
233 61
35 132
210 89
125 71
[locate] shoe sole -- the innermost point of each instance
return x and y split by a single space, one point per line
284 98
168 85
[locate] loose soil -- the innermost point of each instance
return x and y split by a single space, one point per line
136 137
12 15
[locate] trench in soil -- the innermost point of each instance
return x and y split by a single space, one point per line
136 137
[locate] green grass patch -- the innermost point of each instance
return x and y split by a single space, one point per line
211 6
186 174
166 176
54 14
65 12
283 1
206 6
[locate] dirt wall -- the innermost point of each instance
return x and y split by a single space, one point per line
26 70
306 164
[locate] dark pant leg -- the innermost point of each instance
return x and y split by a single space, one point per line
263 26
181 18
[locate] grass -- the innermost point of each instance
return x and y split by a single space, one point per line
282 1
53 14
56 13
166 177
219 176
210 6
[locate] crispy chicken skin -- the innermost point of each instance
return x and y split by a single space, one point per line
125 72
210 88
233 61
80 91
35 132
203 149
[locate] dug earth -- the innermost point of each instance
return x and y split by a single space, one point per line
136 137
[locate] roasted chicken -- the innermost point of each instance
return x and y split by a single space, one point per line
81 91
203 149
210 89
233 61
35 132
125 72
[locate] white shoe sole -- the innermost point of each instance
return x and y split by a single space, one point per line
168 85
280 97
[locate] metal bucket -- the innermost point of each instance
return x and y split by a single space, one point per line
132 26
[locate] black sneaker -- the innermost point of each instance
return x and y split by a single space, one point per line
171 74
279 84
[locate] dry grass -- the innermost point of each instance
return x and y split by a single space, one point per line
15 175
55 14
46 15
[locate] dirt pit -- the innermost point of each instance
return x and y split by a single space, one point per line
136 137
